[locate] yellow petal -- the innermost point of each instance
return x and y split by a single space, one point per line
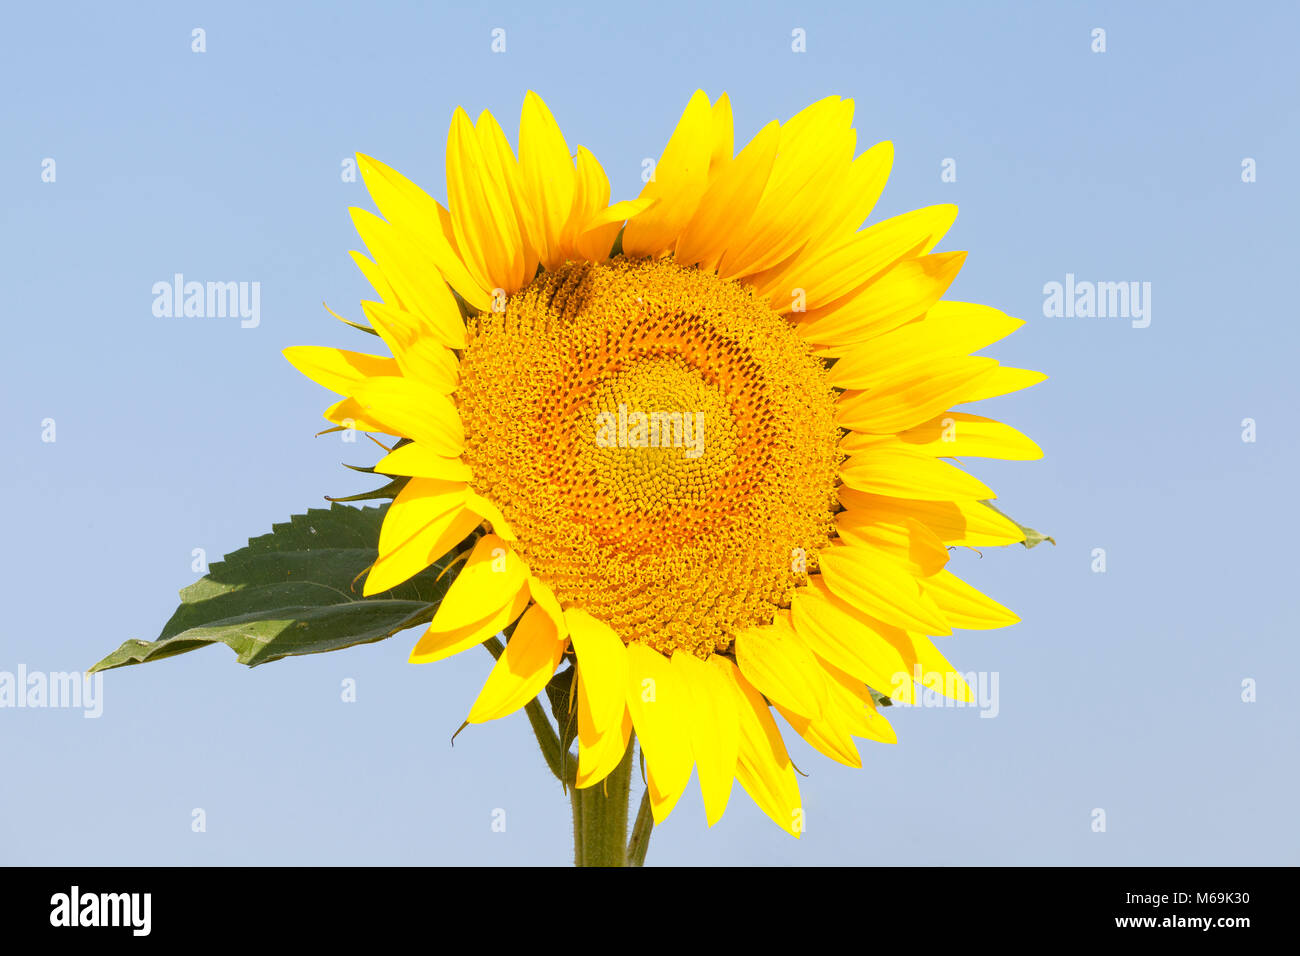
491 578
415 411
874 583
934 671
430 338
724 136
348 413
503 168
425 521
482 213
906 539
913 396
867 177
545 599
417 460
857 259
892 469
416 505
412 211
1001 381
808 179
591 194
840 634
419 289
419 354
763 766
602 667
965 606
599 751
777 662
729 201
680 178
439 645
531 656
490 513
948 329
549 176
714 727
909 289
969 523
596 237
339 370
901 656
855 704
660 706
375 277
958 435
824 736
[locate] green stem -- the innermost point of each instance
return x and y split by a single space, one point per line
579 857
600 817
640 842
600 835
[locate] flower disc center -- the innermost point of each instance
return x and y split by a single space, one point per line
660 441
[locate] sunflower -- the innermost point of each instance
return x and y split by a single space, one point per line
692 442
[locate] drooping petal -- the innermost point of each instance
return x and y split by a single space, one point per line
492 576
599 752
661 711
763 766
531 656
715 727
602 691
424 522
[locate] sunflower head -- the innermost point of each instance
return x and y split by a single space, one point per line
693 442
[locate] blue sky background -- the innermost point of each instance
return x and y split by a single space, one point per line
1119 691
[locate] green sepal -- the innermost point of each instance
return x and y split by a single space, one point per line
1032 537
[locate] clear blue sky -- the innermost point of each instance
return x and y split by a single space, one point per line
1120 690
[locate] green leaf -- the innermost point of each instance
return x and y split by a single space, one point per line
1032 537
559 691
294 591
